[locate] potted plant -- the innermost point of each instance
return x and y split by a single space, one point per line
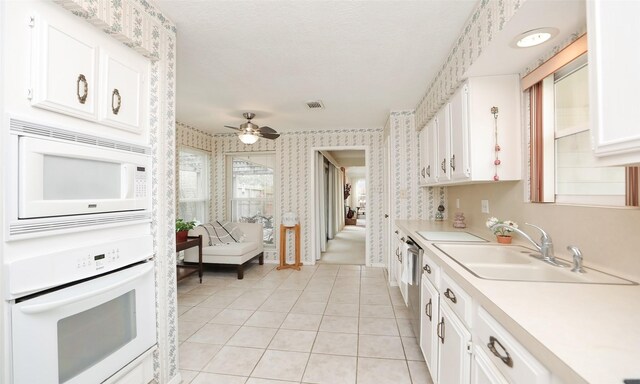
503 234
182 229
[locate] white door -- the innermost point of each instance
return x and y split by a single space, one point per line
430 311
454 361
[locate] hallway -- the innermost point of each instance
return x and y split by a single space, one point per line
348 247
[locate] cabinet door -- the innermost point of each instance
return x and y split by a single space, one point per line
483 371
123 98
613 81
443 119
431 150
454 360
430 313
424 153
64 71
459 159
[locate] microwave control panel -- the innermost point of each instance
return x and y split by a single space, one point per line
140 182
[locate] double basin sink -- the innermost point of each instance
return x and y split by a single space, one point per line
516 263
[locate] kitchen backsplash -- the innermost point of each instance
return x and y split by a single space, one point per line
607 236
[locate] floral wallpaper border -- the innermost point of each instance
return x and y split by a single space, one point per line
488 18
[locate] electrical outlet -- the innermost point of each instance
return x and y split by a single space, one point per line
457 203
484 206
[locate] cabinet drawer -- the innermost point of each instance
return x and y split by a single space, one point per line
456 298
430 269
511 358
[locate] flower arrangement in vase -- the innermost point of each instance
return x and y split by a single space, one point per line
503 234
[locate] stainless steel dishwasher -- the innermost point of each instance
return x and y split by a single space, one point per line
414 260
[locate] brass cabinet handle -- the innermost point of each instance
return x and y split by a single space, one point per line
396 232
492 347
82 98
402 239
386 215
427 309
440 330
427 268
452 162
429 170
443 165
450 295
116 95
422 172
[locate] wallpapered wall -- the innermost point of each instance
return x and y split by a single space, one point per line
293 156
489 17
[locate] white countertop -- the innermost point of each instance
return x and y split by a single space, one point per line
583 333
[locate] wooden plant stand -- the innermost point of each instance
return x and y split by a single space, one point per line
283 248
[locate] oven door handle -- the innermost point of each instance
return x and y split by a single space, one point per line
44 307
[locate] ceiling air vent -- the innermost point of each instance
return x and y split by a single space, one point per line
315 104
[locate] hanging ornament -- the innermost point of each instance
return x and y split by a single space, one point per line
496 148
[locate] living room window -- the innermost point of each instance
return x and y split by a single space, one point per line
251 186
194 197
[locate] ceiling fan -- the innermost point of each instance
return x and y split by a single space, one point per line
249 132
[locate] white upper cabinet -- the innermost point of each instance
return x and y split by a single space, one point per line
459 158
613 81
64 71
85 76
428 153
123 92
443 119
468 137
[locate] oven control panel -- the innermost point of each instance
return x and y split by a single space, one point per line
28 276
99 261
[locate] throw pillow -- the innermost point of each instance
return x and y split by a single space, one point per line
233 230
218 235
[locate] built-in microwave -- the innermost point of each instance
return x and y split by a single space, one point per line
64 179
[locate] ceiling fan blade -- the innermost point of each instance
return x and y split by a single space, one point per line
266 129
270 136
237 129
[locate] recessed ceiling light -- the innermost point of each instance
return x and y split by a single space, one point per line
534 37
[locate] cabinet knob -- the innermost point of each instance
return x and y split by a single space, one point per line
386 216
427 268
115 107
82 97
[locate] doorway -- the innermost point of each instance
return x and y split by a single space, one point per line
340 211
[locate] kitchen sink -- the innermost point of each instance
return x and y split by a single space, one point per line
517 263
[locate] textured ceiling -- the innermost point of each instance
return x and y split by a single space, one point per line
361 58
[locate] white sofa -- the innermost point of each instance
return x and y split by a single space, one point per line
237 254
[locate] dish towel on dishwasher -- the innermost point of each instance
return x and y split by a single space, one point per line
407 265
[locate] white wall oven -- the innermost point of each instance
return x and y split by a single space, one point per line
67 180
81 315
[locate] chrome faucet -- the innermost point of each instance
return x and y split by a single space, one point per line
545 247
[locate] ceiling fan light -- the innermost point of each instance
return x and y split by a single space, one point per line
248 138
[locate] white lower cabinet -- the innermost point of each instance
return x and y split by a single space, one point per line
454 356
430 301
399 260
462 343
483 371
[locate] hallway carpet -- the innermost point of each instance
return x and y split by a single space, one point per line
348 247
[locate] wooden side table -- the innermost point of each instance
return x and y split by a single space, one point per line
185 270
283 248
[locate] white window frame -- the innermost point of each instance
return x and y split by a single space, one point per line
204 184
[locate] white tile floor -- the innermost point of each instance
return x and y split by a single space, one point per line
325 324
